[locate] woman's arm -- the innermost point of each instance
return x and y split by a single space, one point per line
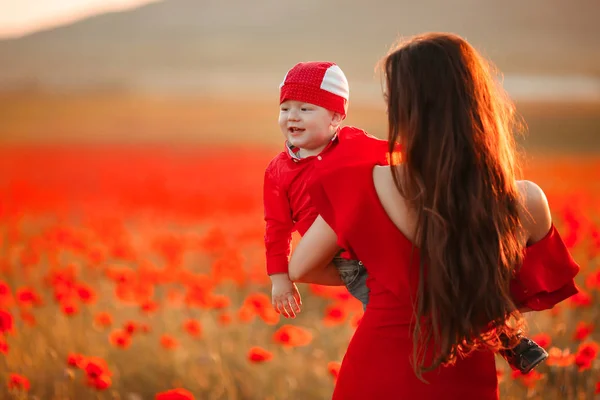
311 259
326 276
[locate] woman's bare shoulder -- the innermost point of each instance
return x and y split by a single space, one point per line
384 182
535 214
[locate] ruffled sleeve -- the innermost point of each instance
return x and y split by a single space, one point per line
547 274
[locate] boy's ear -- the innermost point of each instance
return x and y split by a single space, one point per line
337 118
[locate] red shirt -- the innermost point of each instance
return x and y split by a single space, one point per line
286 199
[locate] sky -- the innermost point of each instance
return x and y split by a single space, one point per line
19 17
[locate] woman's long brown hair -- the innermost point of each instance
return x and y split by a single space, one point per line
455 128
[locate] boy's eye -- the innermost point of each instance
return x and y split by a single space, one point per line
283 109
305 109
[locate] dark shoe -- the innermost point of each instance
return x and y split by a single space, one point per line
525 356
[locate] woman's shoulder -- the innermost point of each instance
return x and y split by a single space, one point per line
535 213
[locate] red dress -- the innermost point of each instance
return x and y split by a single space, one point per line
376 365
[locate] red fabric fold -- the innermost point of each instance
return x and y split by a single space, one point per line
546 276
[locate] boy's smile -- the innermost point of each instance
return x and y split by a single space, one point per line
295 131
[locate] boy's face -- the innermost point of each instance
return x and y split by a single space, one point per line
306 125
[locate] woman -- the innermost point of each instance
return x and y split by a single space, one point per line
455 247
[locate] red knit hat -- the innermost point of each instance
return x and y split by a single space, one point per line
317 82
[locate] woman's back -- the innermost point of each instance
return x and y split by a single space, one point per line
534 212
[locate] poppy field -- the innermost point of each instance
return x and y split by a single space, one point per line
137 272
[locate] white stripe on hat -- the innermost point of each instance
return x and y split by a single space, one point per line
335 82
283 81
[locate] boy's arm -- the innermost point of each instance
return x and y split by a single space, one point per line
278 236
278 226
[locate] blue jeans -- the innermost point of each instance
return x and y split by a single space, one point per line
354 275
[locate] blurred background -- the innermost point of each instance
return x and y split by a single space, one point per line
133 140
207 71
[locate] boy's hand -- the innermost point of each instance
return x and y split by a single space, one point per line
285 296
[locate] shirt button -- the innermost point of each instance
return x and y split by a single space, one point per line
319 158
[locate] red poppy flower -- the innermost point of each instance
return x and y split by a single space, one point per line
224 318
258 354
246 314
76 360
69 308
6 321
581 299
269 316
586 354
4 289
101 382
3 346
261 306
28 317
219 301
27 296
560 358
86 294
175 394
290 335
149 306
528 380
258 301
120 338
5 294
592 280
130 327
168 342
334 369
192 327
103 319
96 367
542 339
18 382
583 330
335 314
